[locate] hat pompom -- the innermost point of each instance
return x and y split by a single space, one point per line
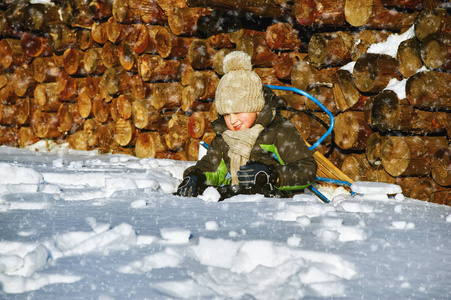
237 60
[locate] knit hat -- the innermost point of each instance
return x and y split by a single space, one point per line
240 89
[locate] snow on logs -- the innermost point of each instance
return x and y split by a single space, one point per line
139 77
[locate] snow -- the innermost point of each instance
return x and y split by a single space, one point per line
80 225
390 46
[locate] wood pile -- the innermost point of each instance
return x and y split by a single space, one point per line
139 77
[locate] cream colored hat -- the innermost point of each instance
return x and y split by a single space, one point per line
240 89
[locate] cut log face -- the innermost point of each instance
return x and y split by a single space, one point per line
282 36
405 156
373 148
409 58
431 21
373 72
356 167
145 116
351 130
436 51
330 49
203 84
441 166
198 124
429 90
358 12
124 133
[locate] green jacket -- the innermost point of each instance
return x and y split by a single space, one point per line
295 164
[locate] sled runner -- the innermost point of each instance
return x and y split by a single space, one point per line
327 172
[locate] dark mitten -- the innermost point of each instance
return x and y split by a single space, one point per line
191 186
257 174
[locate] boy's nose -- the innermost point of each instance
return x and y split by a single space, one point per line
233 118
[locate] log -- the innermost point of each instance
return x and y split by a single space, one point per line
44 69
177 134
294 100
373 14
373 72
432 21
124 105
154 68
152 13
139 88
100 109
127 57
45 124
378 174
441 166
409 57
201 54
351 130
5 87
116 80
267 76
185 71
203 84
255 46
324 94
26 137
148 144
23 83
84 104
364 39
68 118
109 55
171 46
93 62
138 38
98 32
12 55
373 148
258 7
218 59
92 85
127 11
114 113
35 45
192 149
198 124
436 51
78 141
168 5
283 37
190 104
405 156
220 41
330 49
85 39
8 136
403 4
76 14
346 95
183 20
36 17
115 31
46 97
390 113
125 133
145 116
284 66
356 167
61 37
320 13
166 95
74 62
301 122
429 90
15 114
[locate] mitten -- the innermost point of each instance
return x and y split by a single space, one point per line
191 186
257 174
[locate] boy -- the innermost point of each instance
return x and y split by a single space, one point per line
255 146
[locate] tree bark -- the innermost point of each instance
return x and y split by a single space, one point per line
372 72
390 113
346 94
409 58
404 4
153 68
432 21
330 49
429 90
220 41
320 13
351 130
436 51
405 156
145 116
203 84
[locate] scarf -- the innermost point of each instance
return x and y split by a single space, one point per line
240 143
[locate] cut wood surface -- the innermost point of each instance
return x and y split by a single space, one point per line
330 49
429 90
351 130
436 51
409 57
321 13
431 21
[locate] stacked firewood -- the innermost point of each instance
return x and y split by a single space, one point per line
139 77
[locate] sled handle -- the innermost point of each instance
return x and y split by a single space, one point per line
303 93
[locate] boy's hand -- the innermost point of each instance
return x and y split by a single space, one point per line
254 174
191 186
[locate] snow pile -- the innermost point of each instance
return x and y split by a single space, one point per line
81 225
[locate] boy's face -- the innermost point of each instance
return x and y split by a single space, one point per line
240 121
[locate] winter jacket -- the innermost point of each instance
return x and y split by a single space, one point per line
279 145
